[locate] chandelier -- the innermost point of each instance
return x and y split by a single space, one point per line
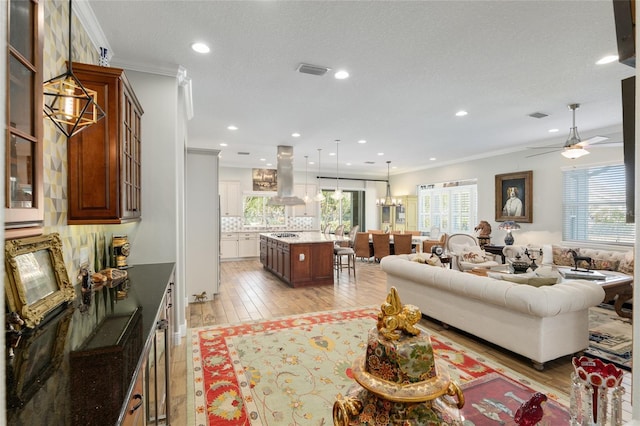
387 200
71 106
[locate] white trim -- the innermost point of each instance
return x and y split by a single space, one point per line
91 25
167 71
592 165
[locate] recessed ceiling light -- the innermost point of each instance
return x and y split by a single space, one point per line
269 164
341 75
332 153
461 113
394 167
311 162
223 144
200 47
381 153
432 159
348 164
554 130
232 127
362 141
295 135
263 159
607 59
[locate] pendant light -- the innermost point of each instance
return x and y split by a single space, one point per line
337 195
319 196
573 146
306 198
387 200
70 105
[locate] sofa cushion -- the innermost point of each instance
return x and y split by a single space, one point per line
626 264
562 256
605 264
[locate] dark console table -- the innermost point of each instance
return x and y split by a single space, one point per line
496 250
88 363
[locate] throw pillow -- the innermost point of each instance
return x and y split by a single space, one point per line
473 257
562 255
605 264
434 260
626 264
418 258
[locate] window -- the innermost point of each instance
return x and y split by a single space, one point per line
257 212
350 209
452 206
594 205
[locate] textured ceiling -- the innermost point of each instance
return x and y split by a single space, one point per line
412 65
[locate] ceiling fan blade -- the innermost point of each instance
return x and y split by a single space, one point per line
542 153
592 141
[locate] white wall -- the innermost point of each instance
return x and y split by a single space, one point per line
154 239
547 187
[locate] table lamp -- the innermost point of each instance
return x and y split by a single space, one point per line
508 226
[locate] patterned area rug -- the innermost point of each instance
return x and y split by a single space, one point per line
610 336
288 371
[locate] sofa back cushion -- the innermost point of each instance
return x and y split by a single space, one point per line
562 256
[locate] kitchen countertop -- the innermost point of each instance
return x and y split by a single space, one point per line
303 237
38 377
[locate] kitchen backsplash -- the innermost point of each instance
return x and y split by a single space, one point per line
234 224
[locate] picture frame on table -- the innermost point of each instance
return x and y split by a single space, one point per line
36 280
514 197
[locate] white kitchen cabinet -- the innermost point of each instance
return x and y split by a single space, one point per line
230 198
229 245
310 209
248 244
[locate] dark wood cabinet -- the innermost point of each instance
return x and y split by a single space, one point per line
23 188
298 264
104 160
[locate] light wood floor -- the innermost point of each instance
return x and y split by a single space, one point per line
247 292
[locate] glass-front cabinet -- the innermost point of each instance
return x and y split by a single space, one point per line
24 210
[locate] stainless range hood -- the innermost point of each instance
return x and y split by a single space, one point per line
285 195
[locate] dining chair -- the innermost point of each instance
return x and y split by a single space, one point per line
363 249
427 245
327 229
375 231
416 233
352 235
402 243
339 232
380 246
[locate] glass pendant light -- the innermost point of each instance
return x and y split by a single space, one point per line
306 198
337 195
319 196
573 146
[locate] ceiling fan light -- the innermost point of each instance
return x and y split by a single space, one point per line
575 152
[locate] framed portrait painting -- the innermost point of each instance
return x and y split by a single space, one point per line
36 282
514 195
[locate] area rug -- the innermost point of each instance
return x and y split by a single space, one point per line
288 371
610 336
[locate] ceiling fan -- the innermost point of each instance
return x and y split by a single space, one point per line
574 147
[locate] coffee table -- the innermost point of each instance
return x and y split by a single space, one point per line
617 286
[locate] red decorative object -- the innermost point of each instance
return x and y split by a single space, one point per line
595 373
530 412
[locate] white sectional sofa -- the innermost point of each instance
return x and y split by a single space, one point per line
540 323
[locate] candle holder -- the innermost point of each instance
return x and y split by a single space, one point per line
595 386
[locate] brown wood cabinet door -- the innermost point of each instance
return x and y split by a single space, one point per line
104 159
135 415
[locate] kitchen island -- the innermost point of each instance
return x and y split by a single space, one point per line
300 258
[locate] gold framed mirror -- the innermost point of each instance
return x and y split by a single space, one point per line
36 280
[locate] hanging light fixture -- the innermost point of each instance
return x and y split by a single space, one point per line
71 106
306 198
573 146
337 195
387 200
319 196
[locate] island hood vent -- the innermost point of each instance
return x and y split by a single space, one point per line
285 195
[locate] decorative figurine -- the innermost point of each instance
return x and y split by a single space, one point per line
200 297
13 332
530 412
396 317
577 259
484 233
399 377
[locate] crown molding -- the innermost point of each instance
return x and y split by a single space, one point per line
167 71
88 19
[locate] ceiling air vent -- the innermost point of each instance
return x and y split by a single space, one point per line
243 153
312 69
369 162
538 115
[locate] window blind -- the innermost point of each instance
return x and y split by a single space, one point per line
451 206
594 206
